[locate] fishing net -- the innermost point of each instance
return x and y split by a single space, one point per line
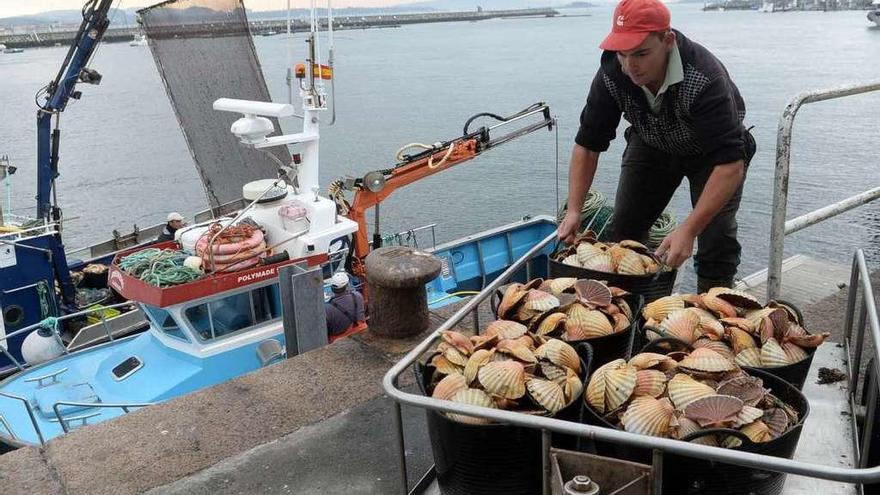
204 51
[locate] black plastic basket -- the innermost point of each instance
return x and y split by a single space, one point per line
651 287
494 458
691 476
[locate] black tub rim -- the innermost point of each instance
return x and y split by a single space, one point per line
672 272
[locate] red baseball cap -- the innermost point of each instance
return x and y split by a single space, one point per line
633 21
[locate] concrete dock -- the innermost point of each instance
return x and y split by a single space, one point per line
317 423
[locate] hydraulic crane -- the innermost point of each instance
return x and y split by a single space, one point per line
377 185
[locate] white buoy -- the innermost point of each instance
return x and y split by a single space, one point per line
40 346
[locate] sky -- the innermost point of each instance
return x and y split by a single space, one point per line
10 8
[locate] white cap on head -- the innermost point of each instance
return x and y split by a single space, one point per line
339 280
174 216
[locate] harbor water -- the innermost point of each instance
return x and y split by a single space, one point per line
124 160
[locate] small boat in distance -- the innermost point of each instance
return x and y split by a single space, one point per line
139 40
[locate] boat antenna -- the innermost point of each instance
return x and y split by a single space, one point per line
330 62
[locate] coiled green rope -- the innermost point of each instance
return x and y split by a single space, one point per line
664 225
159 267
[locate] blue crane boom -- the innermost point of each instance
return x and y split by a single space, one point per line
58 93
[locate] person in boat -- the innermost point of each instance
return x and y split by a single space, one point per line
345 307
173 224
686 121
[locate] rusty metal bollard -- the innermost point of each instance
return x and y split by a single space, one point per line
398 301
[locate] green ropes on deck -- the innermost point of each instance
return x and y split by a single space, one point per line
596 216
159 267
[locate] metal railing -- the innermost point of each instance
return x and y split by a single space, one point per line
90 405
56 334
666 445
779 227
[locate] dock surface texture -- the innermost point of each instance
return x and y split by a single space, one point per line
318 423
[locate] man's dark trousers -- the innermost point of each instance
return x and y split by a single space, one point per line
649 178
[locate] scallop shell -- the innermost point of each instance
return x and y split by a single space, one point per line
749 389
455 357
772 355
617 253
624 308
810 341
716 345
741 323
517 349
506 329
714 410
560 354
513 298
573 386
793 352
593 293
599 262
595 395
449 386
681 324
540 301
504 379
737 298
619 386
648 416
552 372
749 357
547 394
571 260
634 245
645 360
559 285
660 308
474 397
683 390
740 340
548 323
757 432
709 326
706 360
459 341
583 323
631 264
650 382
445 366
586 250
483 341
719 306
747 415
776 420
689 427
621 322
475 362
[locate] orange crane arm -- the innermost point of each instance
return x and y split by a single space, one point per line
436 159
463 150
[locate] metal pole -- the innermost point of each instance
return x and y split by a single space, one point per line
401 452
832 210
545 460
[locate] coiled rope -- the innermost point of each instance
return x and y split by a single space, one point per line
159 267
664 225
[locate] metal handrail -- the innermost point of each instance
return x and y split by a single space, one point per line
91 405
547 425
30 412
779 227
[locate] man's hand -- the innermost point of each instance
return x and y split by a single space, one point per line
568 228
677 247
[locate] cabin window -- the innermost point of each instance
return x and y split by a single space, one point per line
226 316
165 322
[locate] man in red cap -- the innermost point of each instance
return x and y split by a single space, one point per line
685 116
